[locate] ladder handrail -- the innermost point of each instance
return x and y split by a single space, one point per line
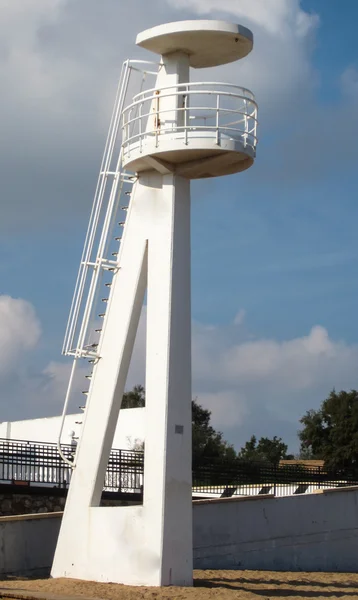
96 209
64 412
93 221
102 214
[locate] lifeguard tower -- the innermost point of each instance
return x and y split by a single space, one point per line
169 132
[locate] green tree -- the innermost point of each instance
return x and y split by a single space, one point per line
135 398
265 449
331 433
207 442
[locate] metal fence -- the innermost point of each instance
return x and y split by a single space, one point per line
39 464
215 478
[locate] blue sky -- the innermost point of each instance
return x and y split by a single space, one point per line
277 243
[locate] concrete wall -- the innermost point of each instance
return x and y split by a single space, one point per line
27 544
130 428
317 532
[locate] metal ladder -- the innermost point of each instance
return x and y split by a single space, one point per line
114 184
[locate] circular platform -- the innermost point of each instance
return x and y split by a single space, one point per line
199 158
208 43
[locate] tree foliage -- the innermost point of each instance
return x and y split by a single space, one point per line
331 433
264 449
135 398
207 442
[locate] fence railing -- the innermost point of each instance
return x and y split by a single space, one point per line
213 477
39 464
208 110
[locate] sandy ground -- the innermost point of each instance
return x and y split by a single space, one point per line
228 585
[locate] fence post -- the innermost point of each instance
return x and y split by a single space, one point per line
120 472
59 471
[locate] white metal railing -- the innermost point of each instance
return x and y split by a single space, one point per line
209 109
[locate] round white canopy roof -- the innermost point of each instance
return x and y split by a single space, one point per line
208 43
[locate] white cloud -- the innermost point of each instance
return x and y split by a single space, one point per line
59 64
258 387
19 332
54 384
278 17
24 66
262 386
270 383
240 317
228 408
297 361
349 80
27 391
280 63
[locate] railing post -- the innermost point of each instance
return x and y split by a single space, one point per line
217 118
128 130
120 472
140 127
157 120
186 119
246 123
59 471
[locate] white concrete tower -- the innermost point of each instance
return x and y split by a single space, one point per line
171 133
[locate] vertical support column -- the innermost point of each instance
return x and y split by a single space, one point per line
167 474
174 70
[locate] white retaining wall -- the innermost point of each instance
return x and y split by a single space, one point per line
130 429
314 532
27 544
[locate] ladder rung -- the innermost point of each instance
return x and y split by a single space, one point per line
99 263
108 284
104 299
114 253
102 315
98 330
118 239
